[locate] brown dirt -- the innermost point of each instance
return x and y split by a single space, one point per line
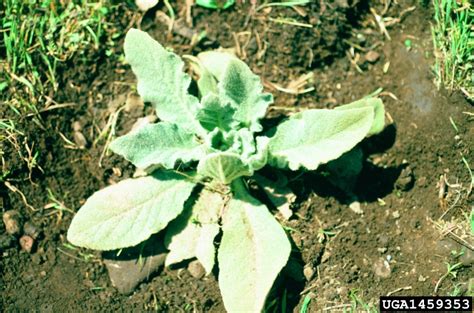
420 143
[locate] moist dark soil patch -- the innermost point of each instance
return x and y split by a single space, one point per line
398 188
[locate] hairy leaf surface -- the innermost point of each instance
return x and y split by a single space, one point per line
379 112
240 86
192 233
216 62
315 137
253 250
215 114
223 166
158 144
161 80
127 213
244 89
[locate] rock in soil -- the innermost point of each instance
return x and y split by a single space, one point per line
355 207
372 56
196 269
308 272
80 140
27 243
76 126
382 268
134 265
133 102
12 221
145 5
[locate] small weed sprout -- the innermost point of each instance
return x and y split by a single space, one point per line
217 142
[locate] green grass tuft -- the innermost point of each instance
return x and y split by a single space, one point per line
453 39
36 36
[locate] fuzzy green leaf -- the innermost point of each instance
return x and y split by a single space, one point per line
127 213
215 114
379 112
216 62
260 158
315 137
192 233
161 80
244 89
253 152
238 85
207 83
158 144
253 250
223 166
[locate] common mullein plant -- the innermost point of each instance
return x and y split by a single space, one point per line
208 146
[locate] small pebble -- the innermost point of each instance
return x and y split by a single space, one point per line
396 214
139 172
372 56
382 250
80 140
326 256
133 102
145 5
196 269
76 126
382 268
27 243
355 207
308 272
12 221
143 121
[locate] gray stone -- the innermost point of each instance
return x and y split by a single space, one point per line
196 269
134 265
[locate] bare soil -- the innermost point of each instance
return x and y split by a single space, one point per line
398 188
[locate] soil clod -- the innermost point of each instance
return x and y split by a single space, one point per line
196 269
372 56
12 221
382 268
308 272
27 243
133 103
